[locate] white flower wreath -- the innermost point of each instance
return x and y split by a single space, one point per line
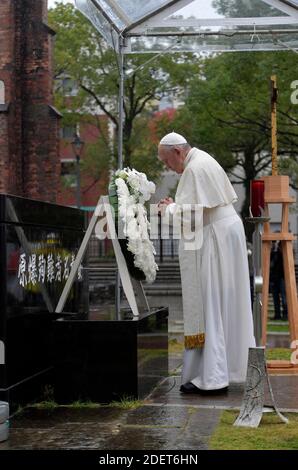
133 190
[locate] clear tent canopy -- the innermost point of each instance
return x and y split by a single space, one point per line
155 26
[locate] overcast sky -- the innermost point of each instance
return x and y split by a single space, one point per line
205 8
51 3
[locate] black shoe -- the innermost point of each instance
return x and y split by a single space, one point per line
189 388
216 391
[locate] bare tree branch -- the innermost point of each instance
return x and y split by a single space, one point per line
100 103
143 104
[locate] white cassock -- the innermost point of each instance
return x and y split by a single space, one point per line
215 279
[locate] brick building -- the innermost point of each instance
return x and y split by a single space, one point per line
92 185
29 124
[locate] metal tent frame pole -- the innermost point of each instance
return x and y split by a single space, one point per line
120 146
121 101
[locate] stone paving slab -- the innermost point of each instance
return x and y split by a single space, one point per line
168 393
145 428
181 429
285 389
278 340
148 416
37 418
69 436
175 363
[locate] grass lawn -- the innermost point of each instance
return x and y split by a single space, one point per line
271 434
175 346
271 354
278 328
278 353
127 403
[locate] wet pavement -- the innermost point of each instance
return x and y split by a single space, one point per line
166 420
285 390
179 425
145 428
278 340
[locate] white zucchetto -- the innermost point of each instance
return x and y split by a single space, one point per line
173 139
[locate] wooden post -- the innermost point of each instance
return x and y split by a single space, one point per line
274 125
277 191
266 251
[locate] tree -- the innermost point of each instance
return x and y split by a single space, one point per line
244 8
227 113
82 54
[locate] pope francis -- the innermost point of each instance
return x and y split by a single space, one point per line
218 325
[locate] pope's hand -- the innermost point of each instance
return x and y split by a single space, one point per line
163 203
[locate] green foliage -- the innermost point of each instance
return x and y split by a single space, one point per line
227 114
82 54
244 8
278 328
175 346
231 103
278 354
227 107
144 156
289 167
45 405
79 404
126 403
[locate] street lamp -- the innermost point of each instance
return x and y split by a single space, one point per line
77 146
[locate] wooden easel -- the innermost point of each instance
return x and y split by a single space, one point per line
277 192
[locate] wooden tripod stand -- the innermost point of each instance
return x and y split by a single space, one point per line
277 191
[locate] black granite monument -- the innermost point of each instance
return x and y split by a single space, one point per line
106 358
38 244
74 355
